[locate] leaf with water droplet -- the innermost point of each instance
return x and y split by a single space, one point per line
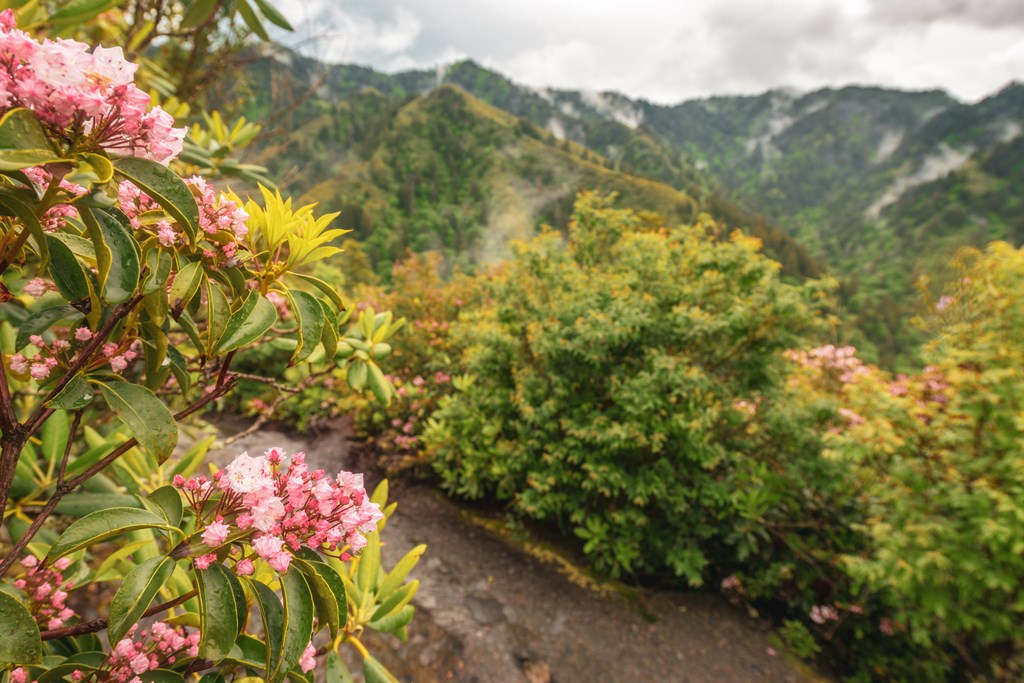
19 635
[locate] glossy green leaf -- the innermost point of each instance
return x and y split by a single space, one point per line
161 676
374 671
401 570
379 384
335 669
23 142
327 289
81 10
298 622
179 369
329 335
198 13
83 661
158 265
394 621
324 600
368 569
136 594
396 600
39 322
146 416
272 614
117 256
273 15
168 500
101 525
309 318
21 203
250 322
79 504
164 186
357 375
217 312
251 20
218 611
66 271
186 284
250 652
19 635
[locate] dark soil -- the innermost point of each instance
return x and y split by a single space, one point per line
488 612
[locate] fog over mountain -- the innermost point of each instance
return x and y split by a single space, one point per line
667 51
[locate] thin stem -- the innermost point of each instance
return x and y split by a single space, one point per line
8 419
72 484
67 448
36 420
100 624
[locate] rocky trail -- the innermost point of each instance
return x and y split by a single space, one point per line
488 612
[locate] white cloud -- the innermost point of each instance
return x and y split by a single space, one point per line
668 50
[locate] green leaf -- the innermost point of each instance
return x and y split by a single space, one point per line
250 322
357 375
179 368
398 573
329 335
251 20
117 254
298 622
327 289
394 620
161 676
186 284
20 203
78 11
158 264
76 394
66 271
23 142
336 670
101 525
379 384
249 652
272 614
136 594
324 599
80 504
146 416
374 671
396 601
219 612
85 662
273 15
217 311
309 318
168 500
19 635
198 13
37 323
166 188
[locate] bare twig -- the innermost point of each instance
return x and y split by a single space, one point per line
100 624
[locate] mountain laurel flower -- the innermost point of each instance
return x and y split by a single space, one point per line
66 86
47 592
283 506
245 567
36 287
307 662
215 533
204 561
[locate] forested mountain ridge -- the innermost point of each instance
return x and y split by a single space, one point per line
444 170
882 185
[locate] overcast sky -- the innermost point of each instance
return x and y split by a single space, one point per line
670 50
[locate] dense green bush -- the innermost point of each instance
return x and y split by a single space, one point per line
608 391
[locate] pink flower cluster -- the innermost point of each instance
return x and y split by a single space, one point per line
54 217
220 217
160 646
41 365
118 356
90 93
284 508
824 613
838 362
47 591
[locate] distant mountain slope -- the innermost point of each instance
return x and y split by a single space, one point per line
859 175
445 170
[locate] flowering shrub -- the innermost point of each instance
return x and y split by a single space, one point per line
126 293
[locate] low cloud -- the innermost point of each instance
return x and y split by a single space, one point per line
665 50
